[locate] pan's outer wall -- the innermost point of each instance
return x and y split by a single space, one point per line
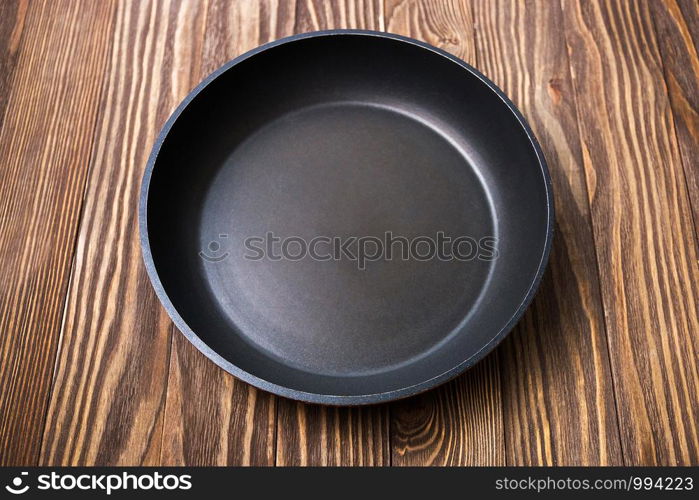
329 398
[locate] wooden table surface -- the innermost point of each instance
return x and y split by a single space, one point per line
602 369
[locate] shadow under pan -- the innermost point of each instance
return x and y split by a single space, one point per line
345 135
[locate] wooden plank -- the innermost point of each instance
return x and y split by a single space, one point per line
213 418
556 378
108 401
314 15
677 26
309 434
459 423
444 24
58 54
12 15
321 435
642 225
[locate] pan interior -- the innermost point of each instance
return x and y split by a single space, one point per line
332 138
336 172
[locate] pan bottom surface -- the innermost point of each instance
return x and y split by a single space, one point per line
331 173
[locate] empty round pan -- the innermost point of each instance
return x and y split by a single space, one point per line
346 217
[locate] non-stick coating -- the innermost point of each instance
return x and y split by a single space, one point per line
345 134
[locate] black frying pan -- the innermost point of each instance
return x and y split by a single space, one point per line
274 191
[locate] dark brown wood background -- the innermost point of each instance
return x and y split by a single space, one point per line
602 369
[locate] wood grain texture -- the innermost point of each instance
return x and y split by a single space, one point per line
642 227
556 379
322 435
309 434
461 422
12 15
213 418
314 15
58 52
109 392
444 24
677 26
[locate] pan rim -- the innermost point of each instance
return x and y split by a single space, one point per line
334 399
